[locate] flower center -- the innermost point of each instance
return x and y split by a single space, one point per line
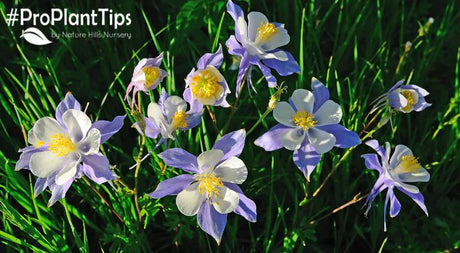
205 84
304 119
410 99
210 184
151 76
179 120
61 145
408 164
39 144
266 32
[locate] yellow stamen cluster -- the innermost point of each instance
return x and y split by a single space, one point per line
408 164
179 120
304 119
266 32
205 84
151 76
61 145
210 184
39 144
410 99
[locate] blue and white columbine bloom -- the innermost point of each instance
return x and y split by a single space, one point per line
206 85
395 172
257 42
147 75
167 116
404 98
407 98
67 148
308 125
212 191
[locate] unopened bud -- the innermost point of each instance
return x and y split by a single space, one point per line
275 98
407 46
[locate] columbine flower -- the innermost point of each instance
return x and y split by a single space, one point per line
206 85
308 125
407 98
168 116
211 192
403 167
257 42
67 148
146 76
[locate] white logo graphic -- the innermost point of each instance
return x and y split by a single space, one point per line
35 37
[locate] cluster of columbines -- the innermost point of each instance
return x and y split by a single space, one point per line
67 147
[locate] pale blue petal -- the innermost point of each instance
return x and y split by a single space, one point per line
284 68
320 93
69 102
231 144
246 207
172 186
271 139
211 221
372 162
395 206
417 197
376 146
179 158
58 191
211 59
40 186
236 12
109 128
344 138
271 80
96 167
306 158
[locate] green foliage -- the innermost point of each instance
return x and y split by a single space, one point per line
357 48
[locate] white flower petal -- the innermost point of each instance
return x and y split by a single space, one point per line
321 140
408 187
303 99
77 123
43 164
329 113
154 112
173 104
68 171
227 202
420 176
232 170
278 55
208 159
400 151
280 39
43 129
255 20
189 200
243 28
292 138
90 144
283 113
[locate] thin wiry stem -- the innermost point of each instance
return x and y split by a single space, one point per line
336 166
355 199
213 118
103 199
136 175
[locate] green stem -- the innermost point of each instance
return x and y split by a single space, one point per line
136 175
259 120
234 108
213 118
103 199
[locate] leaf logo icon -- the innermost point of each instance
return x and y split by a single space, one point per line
35 37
